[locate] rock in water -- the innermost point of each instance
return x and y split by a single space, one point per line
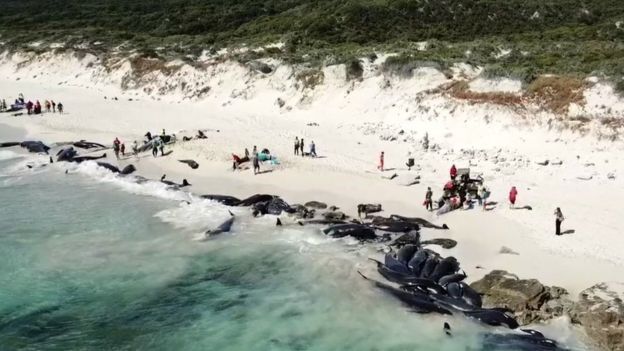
528 298
601 311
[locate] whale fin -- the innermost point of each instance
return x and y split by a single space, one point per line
278 223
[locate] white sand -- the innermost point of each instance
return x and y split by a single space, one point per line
352 119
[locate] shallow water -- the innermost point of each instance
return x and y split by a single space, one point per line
91 261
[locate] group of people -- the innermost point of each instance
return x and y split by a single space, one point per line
299 147
458 194
158 143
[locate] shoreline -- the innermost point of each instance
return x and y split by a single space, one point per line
347 176
477 248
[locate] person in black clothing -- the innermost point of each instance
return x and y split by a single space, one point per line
296 145
301 147
429 200
558 219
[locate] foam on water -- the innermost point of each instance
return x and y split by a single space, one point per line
8 154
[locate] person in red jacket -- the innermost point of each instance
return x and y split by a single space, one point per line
513 193
453 172
381 162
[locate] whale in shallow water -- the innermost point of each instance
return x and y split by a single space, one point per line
126 170
224 227
357 231
223 199
35 146
173 184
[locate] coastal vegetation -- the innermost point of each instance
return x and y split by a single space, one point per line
515 38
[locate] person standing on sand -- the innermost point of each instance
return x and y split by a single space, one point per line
155 144
429 199
254 151
246 154
123 149
513 193
53 106
296 146
60 107
116 144
484 196
256 163
135 149
381 162
453 172
301 147
312 149
47 105
558 219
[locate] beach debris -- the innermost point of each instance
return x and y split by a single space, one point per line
543 163
506 250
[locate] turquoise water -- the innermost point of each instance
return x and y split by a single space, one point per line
93 262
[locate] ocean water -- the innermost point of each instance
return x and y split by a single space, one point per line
90 261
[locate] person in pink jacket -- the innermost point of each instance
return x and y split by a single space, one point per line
513 193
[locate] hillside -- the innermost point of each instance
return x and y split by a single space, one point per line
517 38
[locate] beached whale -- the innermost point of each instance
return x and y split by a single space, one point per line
254 199
422 222
223 199
493 318
225 227
358 231
88 145
126 170
10 144
190 163
173 184
418 302
79 159
35 146
66 154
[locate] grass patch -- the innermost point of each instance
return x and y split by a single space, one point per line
557 92
310 78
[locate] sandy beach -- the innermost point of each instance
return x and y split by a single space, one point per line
348 139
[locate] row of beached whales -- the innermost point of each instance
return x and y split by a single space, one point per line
427 282
424 281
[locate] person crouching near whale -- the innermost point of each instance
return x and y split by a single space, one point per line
381 162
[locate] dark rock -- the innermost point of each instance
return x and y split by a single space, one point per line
316 205
444 243
601 312
528 298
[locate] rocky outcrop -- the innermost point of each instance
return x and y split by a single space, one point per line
530 300
600 311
